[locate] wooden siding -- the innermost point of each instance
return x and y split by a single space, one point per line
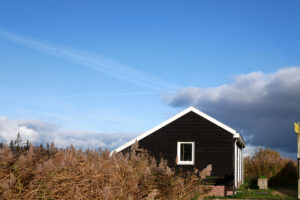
213 145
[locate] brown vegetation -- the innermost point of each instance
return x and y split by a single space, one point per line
51 173
268 163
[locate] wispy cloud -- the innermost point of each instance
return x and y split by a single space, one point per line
96 62
110 94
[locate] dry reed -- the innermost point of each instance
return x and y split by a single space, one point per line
39 173
268 163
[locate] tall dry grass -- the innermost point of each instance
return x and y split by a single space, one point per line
51 173
281 172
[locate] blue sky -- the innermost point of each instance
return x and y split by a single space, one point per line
107 66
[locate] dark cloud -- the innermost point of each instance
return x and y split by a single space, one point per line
40 132
263 107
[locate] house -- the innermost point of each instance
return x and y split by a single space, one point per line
192 139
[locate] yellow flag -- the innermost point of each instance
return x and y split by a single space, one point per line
297 127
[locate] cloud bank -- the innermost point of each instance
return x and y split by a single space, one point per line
263 107
40 132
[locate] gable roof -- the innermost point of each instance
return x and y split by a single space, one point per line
182 113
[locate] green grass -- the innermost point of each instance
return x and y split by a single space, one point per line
253 194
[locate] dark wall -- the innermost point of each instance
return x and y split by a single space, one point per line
213 145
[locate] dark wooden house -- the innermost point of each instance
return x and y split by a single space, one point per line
192 139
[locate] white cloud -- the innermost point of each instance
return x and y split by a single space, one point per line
261 106
39 132
249 150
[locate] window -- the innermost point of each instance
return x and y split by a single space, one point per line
185 153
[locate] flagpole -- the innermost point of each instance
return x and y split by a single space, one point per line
298 147
297 127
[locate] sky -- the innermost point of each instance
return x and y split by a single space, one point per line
98 73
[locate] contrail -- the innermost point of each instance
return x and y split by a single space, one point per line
110 94
104 65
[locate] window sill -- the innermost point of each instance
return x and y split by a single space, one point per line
185 163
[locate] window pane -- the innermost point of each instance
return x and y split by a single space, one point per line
186 152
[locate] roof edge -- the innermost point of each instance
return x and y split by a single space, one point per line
168 121
240 138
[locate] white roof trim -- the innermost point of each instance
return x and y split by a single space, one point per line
189 109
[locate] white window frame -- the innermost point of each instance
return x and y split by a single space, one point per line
179 161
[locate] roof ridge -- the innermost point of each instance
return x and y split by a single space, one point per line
175 117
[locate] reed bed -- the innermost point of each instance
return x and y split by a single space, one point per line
51 173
